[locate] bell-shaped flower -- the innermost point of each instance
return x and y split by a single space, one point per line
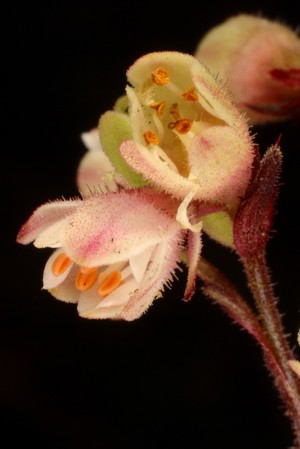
188 139
259 60
114 253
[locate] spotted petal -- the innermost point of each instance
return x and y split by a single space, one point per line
43 217
116 226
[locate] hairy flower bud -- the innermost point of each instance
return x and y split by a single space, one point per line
259 59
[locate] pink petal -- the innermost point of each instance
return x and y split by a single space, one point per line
95 174
222 161
43 217
116 226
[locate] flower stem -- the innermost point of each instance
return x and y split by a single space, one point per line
278 352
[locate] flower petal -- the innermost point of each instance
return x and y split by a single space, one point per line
49 279
95 174
43 217
139 262
52 236
223 163
88 301
216 98
91 140
182 214
121 295
159 274
156 170
66 290
141 69
113 312
116 226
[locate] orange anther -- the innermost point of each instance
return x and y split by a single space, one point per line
85 280
190 94
110 283
160 76
60 264
150 137
159 107
183 126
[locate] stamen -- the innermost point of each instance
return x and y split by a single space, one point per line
110 283
190 94
160 76
150 137
159 107
175 112
183 126
86 279
60 264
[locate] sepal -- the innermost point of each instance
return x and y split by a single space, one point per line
253 220
114 128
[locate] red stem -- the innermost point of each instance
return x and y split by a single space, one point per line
277 352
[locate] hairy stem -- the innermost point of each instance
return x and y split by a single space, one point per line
278 352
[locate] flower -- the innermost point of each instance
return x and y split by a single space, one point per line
188 139
115 252
259 59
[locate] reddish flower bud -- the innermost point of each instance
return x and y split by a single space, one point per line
253 220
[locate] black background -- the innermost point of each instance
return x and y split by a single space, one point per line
183 375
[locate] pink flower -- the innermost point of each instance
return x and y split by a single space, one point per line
259 60
188 139
115 253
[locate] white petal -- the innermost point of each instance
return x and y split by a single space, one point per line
49 280
52 236
182 214
88 300
139 263
103 313
120 295
91 139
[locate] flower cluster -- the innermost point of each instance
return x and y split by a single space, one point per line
173 156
